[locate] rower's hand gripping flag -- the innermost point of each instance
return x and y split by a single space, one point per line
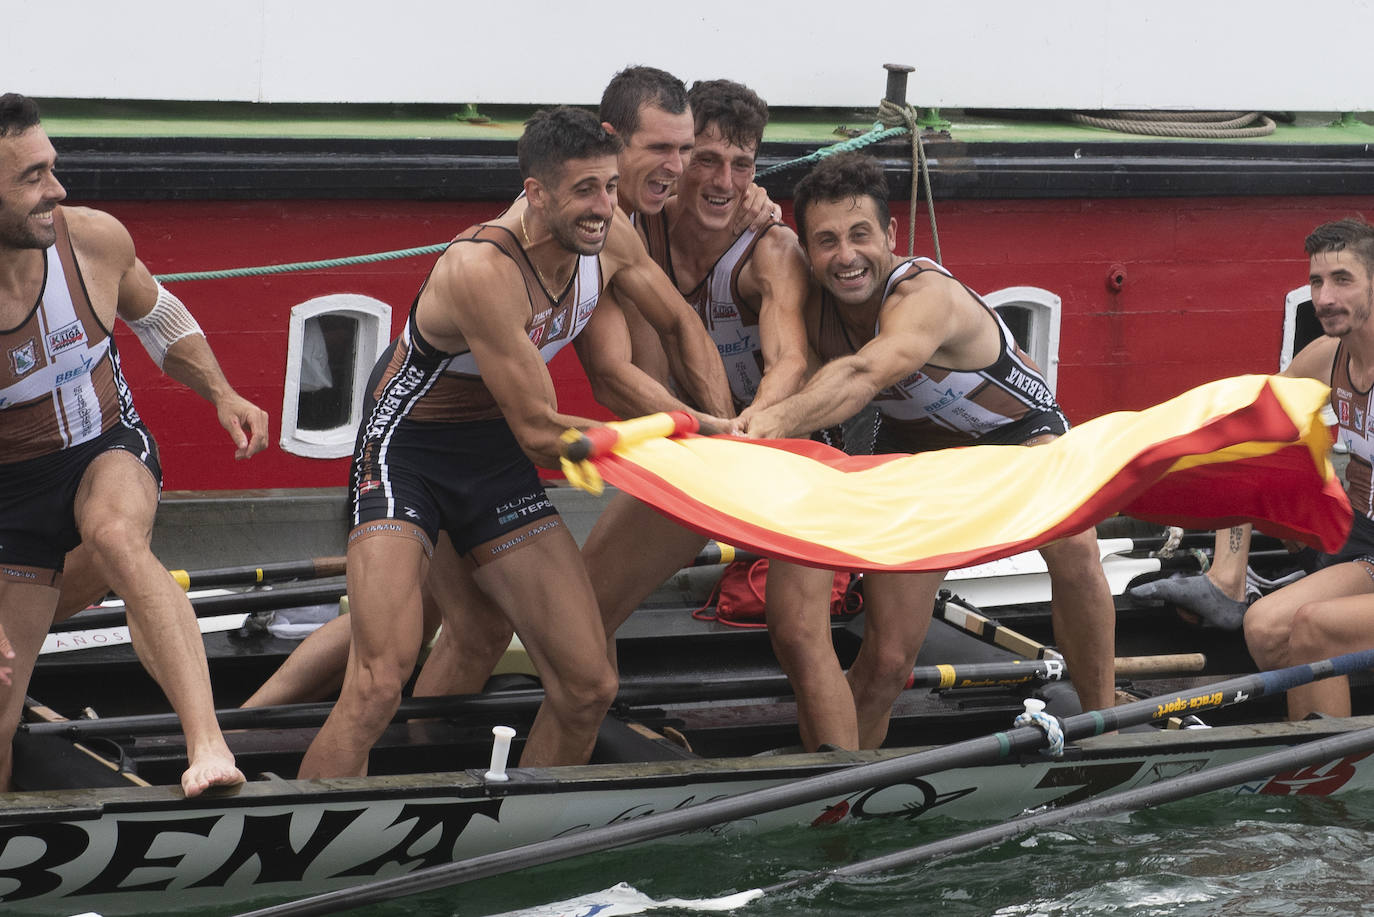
580 447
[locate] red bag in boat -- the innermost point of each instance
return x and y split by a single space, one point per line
739 595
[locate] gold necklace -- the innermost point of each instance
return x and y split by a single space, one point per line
548 287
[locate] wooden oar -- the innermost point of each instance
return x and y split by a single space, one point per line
967 617
953 610
973 752
1308 754
311 568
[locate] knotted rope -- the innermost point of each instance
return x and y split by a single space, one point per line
892 114
1048 724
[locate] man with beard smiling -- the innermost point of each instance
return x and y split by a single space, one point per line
464 409
79 466
942 370
1329 611
747 287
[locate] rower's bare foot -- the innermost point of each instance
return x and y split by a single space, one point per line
210 771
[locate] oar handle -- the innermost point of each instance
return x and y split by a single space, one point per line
312 568
718 552
580 445
1164 663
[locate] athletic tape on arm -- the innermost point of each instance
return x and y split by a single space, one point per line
167 323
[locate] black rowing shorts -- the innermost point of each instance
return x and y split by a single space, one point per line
38 497
470 479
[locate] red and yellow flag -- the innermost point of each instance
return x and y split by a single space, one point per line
1246 449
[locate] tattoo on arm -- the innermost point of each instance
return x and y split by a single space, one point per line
1234 539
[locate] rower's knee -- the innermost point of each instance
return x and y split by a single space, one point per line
1268 627
115 542
585 695
377 687
1074 561
881 670
1307 640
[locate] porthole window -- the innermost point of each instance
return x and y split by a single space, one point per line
1032 316
331 346
1300 325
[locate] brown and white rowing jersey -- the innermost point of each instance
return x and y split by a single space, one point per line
425 384
1354 428
60 382
936 407
731 322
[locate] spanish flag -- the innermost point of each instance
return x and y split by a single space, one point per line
1246 449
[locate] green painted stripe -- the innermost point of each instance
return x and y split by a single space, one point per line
819 127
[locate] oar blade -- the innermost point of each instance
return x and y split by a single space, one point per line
624 898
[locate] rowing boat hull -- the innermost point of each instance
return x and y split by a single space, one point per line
137 850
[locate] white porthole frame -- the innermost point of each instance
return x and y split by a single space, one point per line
374 332
1045 309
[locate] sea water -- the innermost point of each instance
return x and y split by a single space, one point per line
1216 854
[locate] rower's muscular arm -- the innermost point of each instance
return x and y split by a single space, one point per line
476 298
606 350
777 275
842 387
188 360
692 354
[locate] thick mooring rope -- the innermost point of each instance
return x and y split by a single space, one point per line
1200 124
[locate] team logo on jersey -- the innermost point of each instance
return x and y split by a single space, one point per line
537 335
743 343
24 357
560 321
66 336
1359 419
368 486
585 309
1344 412
724 312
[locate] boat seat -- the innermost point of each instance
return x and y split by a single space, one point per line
622 742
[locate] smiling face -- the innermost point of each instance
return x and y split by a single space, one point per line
578 207
718 174
849 247
29 190
1342 291
653 158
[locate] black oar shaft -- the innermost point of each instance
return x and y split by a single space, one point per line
205 606
973 752
1316 751
650 691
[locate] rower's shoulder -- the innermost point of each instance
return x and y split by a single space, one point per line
624 245
1314 361
98 235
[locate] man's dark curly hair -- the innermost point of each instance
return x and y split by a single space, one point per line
17 113
840 178
735 109
1352 233
554 136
